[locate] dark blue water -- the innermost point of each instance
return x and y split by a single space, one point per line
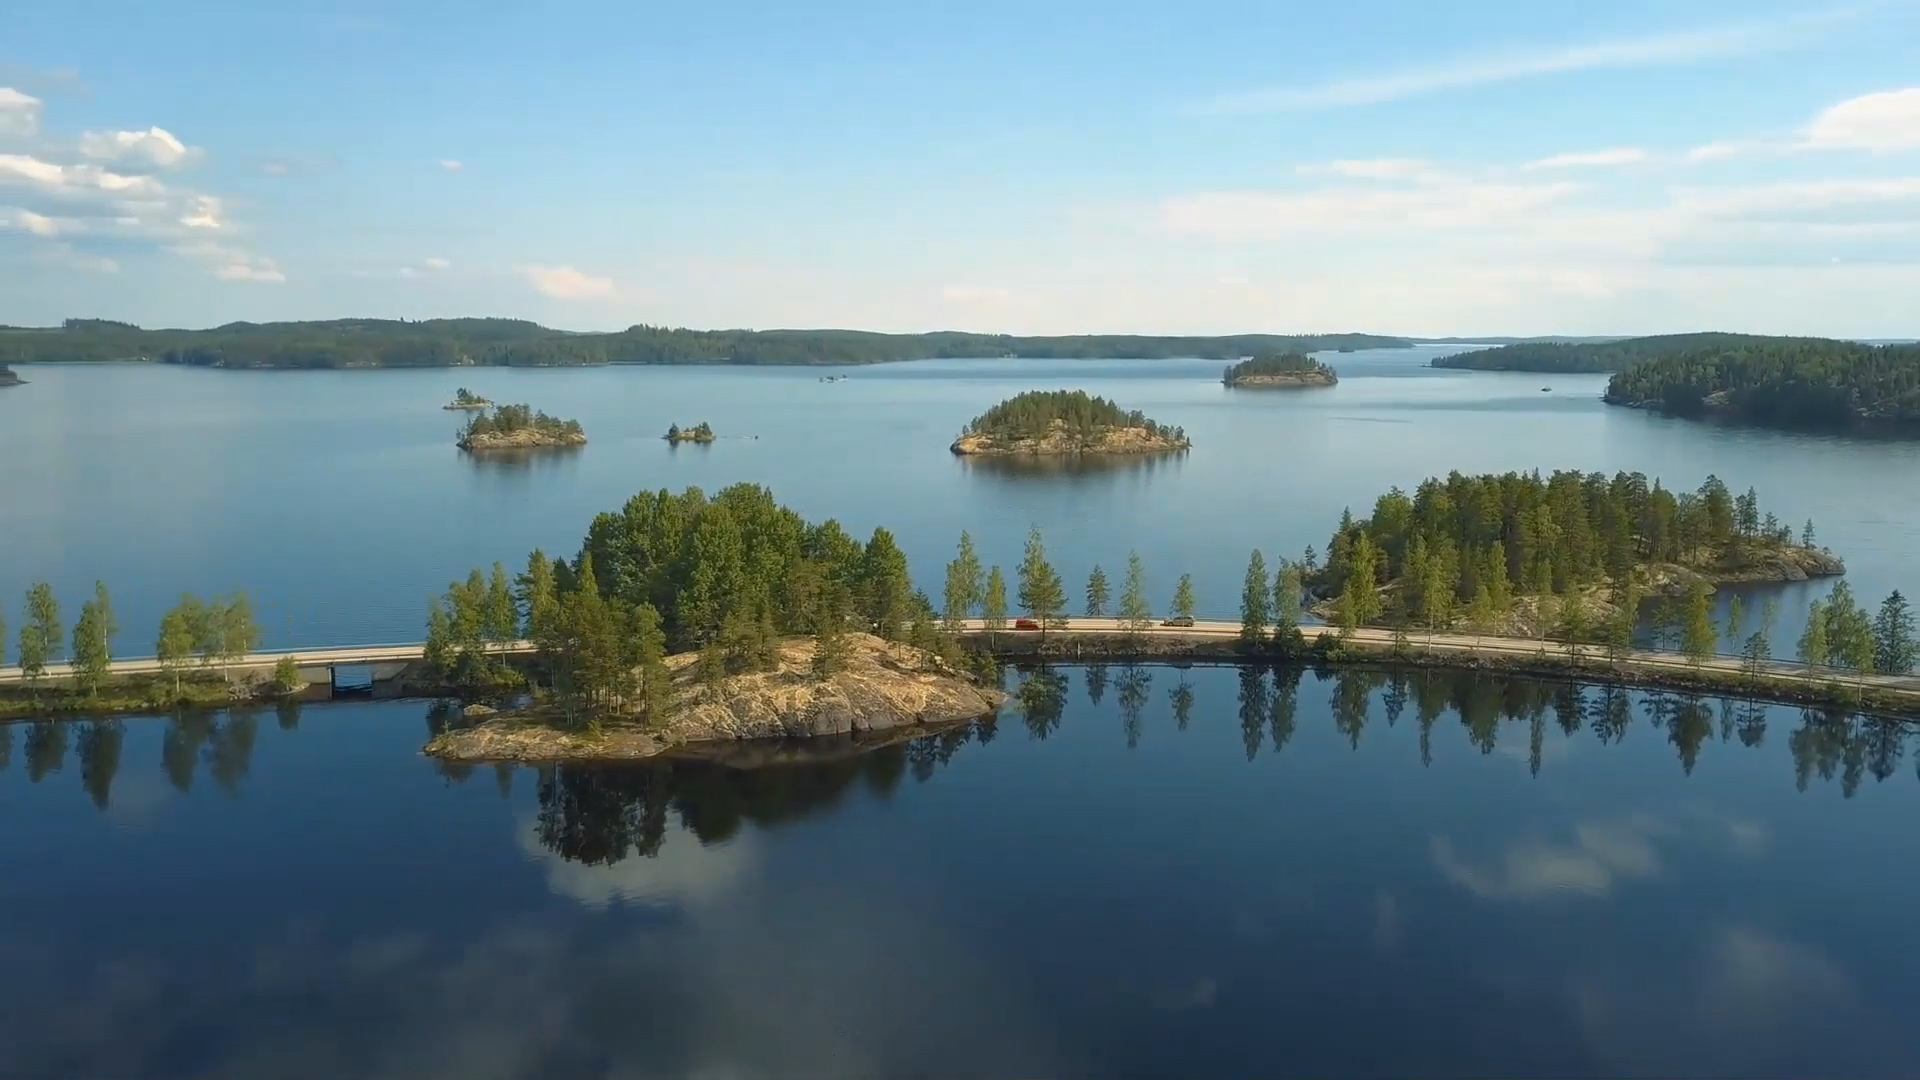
338 500
1310 876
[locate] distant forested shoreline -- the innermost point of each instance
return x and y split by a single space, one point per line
382 343
1597 357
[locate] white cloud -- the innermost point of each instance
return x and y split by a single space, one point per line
26 170
232 264
1532 869
19 112
1656 50
436 263
450 165
682 873
39 224
1619 155
154 146
203 212
1885 121
567 283
1374 169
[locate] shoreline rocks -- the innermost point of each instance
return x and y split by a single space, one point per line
1060 441
522 439
1291 380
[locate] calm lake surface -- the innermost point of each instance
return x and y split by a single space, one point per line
1302 876
338 500
1133 872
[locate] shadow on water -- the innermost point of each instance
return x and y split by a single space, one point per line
544 461
1075 468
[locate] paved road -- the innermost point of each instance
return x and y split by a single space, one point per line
1079 626
350 654
1452 642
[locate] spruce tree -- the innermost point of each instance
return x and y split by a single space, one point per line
1183 597
1097 595
1135 612
1893 637
1254 610
1041 594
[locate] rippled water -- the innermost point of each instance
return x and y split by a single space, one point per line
1210 872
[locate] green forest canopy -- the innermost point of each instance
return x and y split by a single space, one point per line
451 342
1596 356
1276 363
1032 414
1519 534
1784 382
506 419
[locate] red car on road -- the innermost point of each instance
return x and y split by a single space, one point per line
1025 624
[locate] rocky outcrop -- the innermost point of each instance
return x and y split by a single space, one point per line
522 439
1286 380
1059 440
884 687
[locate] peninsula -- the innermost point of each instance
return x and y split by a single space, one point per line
1593 357
480 342
1791 383
698 433
465 399
1279 371
519 427
1059 422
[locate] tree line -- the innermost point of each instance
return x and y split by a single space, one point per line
220 630
507 419
1033 414
1785 383
1574 357
1287 363
514 342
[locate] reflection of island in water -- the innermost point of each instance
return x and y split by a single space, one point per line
1076 467
546 458
601 814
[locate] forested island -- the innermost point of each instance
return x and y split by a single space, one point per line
1594 357
1516 553
1279 370
1051 422
698 433
1805 384
465 399
357 343
519 427
689 619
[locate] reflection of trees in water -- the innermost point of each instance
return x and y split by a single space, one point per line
1180 697
1134 686
46 748
1254 707
6 746
225 744
1096 682
99 751
601 814
1852 747
1042 695
1081 470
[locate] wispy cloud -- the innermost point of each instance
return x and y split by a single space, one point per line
1374 169
19 112
450 165
567 283
1657 50
1886 121
1619 155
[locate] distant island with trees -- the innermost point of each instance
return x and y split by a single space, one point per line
1057 422
698 433
1790 383
374 343
1279 371
519 427
465 399
1594 357
8 378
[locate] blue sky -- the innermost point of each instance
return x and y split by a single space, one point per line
1475 167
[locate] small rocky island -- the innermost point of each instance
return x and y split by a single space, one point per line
519 427
1278 371
467 400
698 433
1056 422
879 687
8 378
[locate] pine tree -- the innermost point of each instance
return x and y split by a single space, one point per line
1758 647
964 589
993 604
1135 613
1254 612
1097 593
93 641
1698 635
1183 597
889 589
649 639
1893 637
40 635
1041 594
1806 534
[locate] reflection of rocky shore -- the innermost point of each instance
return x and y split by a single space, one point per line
1071 466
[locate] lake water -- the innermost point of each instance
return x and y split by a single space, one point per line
338 500
1285 875
1306 876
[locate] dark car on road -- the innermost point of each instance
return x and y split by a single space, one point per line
1178 620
